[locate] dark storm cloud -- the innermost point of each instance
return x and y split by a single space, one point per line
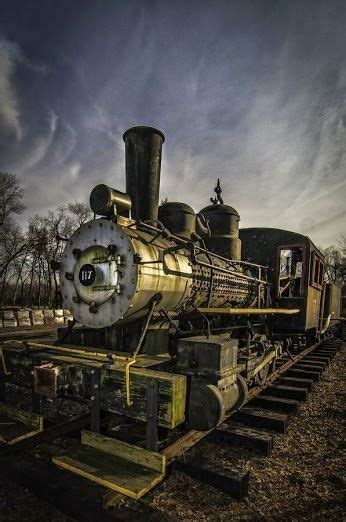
251 92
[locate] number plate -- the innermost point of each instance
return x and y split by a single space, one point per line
87 274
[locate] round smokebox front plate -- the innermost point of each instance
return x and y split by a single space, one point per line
96 275
101 275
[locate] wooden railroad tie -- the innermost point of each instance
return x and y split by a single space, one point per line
305 374
327 348
235 483
326 352
319 360
317 356
262 419
287 392
322 355
237 434
296 382
331 342
313 367
270 402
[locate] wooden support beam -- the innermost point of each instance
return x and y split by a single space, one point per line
129 452
234 483
95 400
172 387
243 436
33 332
31 419
171 394
261 419
269 402
152 416
50 433
2 388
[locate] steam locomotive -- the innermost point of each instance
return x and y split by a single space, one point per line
163 296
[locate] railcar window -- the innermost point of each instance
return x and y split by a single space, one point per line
320 278
317 271
291 271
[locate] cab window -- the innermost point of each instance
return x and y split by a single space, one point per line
290 272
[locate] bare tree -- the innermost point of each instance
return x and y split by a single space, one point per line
336 261
81 212
11 195
26 273
12 241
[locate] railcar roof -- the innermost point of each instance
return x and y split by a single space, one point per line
294 234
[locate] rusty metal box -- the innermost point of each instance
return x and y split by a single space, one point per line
202 355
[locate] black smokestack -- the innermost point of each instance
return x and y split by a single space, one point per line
143 146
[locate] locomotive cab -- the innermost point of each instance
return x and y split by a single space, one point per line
297 275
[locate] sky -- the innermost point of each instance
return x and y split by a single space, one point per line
251 92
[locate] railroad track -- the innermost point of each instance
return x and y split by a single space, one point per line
266 414
254 427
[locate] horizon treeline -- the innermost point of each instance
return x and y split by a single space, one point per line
27 278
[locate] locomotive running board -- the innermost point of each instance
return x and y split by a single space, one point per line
16 425
119 466
250 311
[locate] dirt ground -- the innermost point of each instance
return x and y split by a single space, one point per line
303 479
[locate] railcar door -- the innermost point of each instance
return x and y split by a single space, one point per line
291 284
